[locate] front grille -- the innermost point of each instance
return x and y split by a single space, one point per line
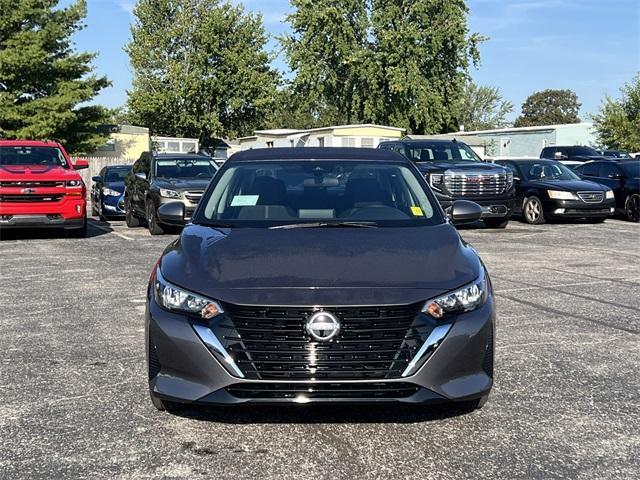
313 391
591 197
474 185
272 343
30 198
32 184
193 197
487 361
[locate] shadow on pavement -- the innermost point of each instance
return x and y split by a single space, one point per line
53 233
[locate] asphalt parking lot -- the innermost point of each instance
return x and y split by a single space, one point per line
74 402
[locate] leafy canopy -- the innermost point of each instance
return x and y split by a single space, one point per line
200 69
549 107
483 108
44 84
618 122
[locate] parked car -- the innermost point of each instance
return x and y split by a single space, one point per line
572 156
548 189
107 192
623 177
454 172
158 179
319 275
620 154
40 187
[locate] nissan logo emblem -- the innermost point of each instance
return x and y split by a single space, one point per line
323 326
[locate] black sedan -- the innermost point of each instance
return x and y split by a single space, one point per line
547 189
623 177
107 193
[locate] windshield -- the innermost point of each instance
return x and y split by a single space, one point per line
116 174
583 151
51 156
546 171
448 152
265 194
185 168
632 169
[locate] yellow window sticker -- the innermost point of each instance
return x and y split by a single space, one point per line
417 211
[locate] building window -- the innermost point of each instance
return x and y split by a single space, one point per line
321 141
269 144
173 147
348 142
366 143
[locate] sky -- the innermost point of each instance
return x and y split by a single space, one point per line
589 46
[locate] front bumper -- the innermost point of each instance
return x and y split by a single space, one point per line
578 208
492 207
69 212
113 205
184 369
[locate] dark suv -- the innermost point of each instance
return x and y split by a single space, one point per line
455 171
156 179
623 177
571 156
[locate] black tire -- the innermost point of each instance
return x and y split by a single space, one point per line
596 219
632 208
532 211
130 218
94 210
496 222
152 219
78 232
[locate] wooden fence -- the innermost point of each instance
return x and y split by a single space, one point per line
98 163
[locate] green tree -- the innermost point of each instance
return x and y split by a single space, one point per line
483 108
200 69
44 84
618 122
397 62
549 107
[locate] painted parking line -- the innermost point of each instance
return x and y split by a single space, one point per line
97 226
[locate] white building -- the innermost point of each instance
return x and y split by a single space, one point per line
361 136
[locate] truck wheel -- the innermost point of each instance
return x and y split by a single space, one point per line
532 211
130 218
496 222
152 219
632 208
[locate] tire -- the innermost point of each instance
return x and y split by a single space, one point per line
130 218
78 232
632 208
152 219
496 222
94 210
596 219
532 211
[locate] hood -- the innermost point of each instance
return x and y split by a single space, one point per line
37 172
440 167
117 186
570 185
316 266
183 183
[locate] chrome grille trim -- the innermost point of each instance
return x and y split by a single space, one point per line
591 197
194 196
476 184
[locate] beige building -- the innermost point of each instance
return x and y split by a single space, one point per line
125 143
361 136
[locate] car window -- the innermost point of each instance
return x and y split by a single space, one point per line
268 193
114 174
608 169
185 168
511 166
590 169
546 170
25 155
447 152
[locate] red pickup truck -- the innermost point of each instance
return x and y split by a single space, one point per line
39 187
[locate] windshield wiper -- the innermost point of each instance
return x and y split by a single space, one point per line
326 225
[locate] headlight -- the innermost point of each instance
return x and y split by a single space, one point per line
465 299
557 195
174 298
169 193
110 192
436 180
610 194
509 180
74 183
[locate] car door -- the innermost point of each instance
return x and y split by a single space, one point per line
140 182
611 175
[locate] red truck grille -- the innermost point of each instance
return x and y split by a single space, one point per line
30 198
32 184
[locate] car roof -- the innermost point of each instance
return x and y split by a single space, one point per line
317 153
423 140
28 143
182 155
527 160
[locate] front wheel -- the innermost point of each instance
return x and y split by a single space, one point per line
496 222
131 220
152 219
532 211
632 208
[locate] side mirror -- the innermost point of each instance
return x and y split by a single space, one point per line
141 176
80 164
171 213
97 179
464 211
